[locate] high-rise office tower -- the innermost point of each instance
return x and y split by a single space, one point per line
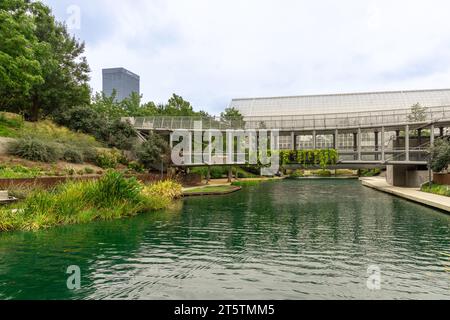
123 81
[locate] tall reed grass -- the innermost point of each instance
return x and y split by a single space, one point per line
111 197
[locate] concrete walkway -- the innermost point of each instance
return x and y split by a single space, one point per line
413 194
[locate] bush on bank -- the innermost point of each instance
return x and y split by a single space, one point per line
111 197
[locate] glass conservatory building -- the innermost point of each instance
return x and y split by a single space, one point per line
352 104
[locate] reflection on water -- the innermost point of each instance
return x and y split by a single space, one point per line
283 240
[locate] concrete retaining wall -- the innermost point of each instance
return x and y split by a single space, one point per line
406 176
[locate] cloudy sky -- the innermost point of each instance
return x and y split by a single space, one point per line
210 51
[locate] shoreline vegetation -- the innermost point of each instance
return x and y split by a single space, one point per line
438 189
111 197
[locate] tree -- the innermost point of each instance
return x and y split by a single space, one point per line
440 154
153 152
417 113
47 71
19 68
64 68
231 114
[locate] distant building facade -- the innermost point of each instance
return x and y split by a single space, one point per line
122 80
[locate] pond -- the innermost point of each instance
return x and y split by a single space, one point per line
301 239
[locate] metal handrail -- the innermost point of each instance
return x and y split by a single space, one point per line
304 122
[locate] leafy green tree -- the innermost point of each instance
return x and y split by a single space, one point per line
418 113
153 152
231 114
107 107
64 66
19 68
43 66
440 155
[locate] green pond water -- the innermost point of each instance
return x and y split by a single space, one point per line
280 240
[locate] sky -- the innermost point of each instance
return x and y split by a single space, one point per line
211 51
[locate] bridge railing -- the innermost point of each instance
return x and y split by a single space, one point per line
303 122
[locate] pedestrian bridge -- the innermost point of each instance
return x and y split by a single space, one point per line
387 137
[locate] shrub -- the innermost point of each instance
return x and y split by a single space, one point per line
165 189
442 190
152 152
18 172
111 197
323 173
440 155
73 156
108 159
88 170
10 124
35 150
83 119
136 166
297 174
113 186
89 154
121 135
369 172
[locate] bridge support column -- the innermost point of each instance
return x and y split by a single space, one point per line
419 137
383 141
377 144
190 147
432 134
293 142
314 140
407 143
230 174
335 139
359 144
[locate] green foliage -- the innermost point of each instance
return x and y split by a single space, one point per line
153 152
10 124
440 155
108 159
249 183
417 113
121 135
73 156
111 197
323 173
165 189
136 166
83 119
42 67
322 158
47 130
297 174
243 174
217 172
20 69
88 170
232 116
18 172
34 149
442 190
369 172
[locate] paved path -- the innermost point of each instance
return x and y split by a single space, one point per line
413 194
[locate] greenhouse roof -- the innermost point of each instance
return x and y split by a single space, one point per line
338 103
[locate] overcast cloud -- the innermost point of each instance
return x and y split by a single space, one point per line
210 51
